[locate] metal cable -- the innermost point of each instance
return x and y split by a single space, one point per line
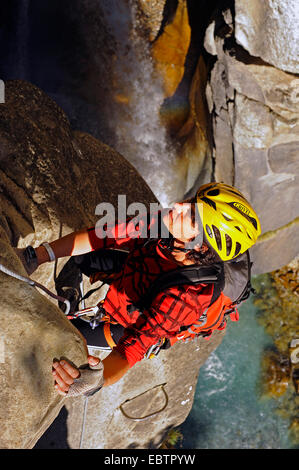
32 283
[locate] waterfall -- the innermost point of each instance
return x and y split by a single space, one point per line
136 101
115 94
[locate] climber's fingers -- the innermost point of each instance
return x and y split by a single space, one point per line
60 391
61 373
64 375
64 386
93 361
66 367
60 384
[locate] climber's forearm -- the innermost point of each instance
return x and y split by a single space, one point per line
76 243
115 367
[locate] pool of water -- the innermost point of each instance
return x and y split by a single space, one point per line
229 411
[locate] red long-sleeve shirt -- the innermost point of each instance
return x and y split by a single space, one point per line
171 310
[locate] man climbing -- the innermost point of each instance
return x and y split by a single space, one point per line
217 225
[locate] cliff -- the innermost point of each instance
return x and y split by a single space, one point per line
51 181
253 103
176 93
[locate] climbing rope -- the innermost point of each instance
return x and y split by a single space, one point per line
33 283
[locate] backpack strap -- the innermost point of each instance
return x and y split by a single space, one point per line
248 287
192 275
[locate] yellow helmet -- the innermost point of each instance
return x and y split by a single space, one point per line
229 222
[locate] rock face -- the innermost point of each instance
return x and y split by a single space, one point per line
278 303
152 16
196 153
269 30
51 180
254 108
165 383
177 60
33 332
170 49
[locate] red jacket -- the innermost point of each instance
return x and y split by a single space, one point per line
171 310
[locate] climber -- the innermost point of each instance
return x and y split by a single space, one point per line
226 227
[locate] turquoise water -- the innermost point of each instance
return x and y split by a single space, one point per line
228 412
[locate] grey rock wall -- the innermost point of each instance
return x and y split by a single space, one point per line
254 108
269 30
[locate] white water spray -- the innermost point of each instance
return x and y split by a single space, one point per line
138 96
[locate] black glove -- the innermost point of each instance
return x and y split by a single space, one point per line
28 258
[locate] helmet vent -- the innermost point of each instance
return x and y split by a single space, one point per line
217 237
208 229
238 248
254 222
213 192
226 217
228 244
238 228
209 202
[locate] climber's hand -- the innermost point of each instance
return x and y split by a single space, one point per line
29 265
64 374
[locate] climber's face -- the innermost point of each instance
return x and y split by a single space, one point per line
182 222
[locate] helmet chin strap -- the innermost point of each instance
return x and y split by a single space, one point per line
168 244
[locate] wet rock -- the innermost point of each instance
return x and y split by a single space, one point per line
95 60
277 373
170 49
195 154
278 302
184 112
152 16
